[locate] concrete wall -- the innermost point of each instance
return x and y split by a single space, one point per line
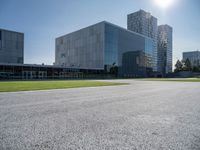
81 49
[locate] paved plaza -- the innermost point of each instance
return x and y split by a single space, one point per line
144 115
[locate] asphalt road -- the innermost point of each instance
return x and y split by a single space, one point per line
145 115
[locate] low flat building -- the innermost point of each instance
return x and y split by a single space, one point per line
11 47
193 56
103 47
32 71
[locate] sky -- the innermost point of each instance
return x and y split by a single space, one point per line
44 20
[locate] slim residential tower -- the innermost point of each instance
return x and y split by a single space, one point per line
164 49
144 23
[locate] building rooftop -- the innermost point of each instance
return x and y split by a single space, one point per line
106 22
197 51
11 31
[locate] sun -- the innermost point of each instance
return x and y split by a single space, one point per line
164 3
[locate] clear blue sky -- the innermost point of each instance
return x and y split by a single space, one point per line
44 20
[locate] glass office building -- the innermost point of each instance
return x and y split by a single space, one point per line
11 47
105 46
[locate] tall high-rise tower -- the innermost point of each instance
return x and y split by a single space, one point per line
144 23
164 49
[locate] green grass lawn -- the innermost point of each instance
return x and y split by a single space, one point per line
13 86
174 79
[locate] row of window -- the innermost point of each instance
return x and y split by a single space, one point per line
0 35
11 44
11 36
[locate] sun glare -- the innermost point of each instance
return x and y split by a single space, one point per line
164 3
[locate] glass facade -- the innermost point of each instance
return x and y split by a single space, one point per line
111 46
121 44
149 52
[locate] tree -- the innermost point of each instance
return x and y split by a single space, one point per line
187 65
114 69
179 66
196 69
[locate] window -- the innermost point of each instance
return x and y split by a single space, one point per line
20 60
137 60
0 39
61 41
0 36
62 55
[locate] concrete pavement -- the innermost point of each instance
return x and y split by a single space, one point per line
143 115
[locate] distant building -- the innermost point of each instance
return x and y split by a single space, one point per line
164 49
144 23
193 56
103 46
11 47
